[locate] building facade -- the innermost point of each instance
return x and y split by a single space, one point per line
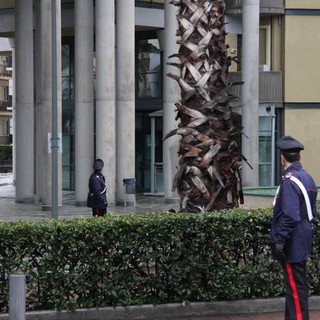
115 103
5 92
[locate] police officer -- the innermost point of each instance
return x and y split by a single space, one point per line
97 199
291 230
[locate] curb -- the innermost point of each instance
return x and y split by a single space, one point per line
170 310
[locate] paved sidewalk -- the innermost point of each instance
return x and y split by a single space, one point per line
11 211
314 315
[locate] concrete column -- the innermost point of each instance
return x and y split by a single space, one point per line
12 45
84 107
24 102
43 81
171 95
125 95
105 92
250 91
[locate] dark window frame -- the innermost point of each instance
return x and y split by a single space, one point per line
147 103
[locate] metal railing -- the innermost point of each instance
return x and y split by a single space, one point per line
5 105
270 86
5 139
4 71
150 3
266 6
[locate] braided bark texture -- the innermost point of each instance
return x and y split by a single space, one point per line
208 176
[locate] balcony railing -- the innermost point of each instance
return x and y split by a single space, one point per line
5 140
4 71
270 86
150 3
266 6
5 106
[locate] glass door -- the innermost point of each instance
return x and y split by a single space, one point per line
68 176
266 145
156 179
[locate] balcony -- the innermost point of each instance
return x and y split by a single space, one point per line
6 106
270 86
5 71
267 7
157 4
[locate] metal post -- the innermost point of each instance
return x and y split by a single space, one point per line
54 136
17 297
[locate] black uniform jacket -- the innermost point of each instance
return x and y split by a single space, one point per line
97 197
290 223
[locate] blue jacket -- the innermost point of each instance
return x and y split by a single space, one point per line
290 223
97 191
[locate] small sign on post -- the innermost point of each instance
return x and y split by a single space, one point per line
54 143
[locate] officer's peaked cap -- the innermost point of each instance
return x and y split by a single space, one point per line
288 143
98 164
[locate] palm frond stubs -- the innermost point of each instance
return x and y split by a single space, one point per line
208 176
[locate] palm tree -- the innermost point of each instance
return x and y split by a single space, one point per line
208 176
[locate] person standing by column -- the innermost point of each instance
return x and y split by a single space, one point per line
291 229
97 198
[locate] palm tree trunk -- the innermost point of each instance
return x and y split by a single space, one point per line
208 176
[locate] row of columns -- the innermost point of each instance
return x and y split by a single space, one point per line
84 104
115 98
24 115
114 138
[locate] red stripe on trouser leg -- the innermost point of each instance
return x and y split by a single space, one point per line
294 291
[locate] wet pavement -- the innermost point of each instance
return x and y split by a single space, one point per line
11 211
314 315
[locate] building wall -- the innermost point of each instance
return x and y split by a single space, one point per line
302 124
301 58
302 4
276 43
301 79
231 40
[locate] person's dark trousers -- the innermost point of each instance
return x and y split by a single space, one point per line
296 291
99 212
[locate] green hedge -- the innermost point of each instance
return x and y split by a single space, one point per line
144 259
5 152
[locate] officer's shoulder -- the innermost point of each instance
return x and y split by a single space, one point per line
288 175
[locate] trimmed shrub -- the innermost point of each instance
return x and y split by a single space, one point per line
144 259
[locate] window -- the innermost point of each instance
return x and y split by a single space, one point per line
148 69
67 72
267 132
264 45
5 93
266 144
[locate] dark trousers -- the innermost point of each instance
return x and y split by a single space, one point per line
99 212
296 291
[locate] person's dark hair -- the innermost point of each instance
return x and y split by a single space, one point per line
98 165
291 156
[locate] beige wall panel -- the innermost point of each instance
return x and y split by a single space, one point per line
299 124
302 4
231 40
301 60
276 44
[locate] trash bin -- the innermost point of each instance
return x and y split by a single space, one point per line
130 184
